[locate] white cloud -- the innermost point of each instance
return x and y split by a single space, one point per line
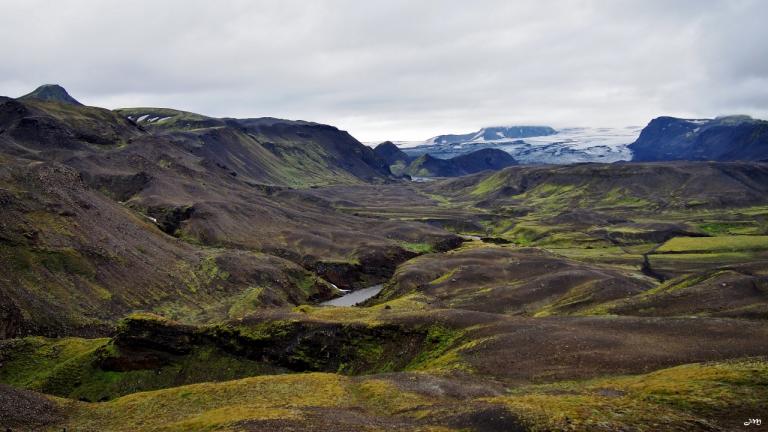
398 69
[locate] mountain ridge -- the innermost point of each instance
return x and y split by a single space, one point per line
469 163
725 138
493 133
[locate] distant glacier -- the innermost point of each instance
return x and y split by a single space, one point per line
562 146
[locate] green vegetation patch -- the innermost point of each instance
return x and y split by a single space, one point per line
209 406
490 184
680 398
618 197
526 234
247 302
45 365
440 351
445 277
419 248
66 260
69 367
202 275
729 228
683 398
714 244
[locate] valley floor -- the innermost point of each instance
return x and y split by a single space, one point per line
566 307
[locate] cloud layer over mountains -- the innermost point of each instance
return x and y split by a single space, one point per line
398 69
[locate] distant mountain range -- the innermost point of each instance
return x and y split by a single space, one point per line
663 139
493 134
539 145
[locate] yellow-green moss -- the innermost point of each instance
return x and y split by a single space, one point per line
714 244
680 398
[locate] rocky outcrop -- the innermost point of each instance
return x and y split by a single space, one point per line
11 320
145 341
169 219
373 266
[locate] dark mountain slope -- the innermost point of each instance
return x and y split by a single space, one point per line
283 152
647 186
74 261
480 160
485 159
429 166
730 292
188 222
521 281
51 93
396 159
207 186
37 126
391 154
721 139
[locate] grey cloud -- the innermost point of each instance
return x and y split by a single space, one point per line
398 69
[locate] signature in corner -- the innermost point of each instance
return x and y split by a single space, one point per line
756 422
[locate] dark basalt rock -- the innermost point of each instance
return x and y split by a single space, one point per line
155 333
495 240
130 359
646 233
374 266
148 343
169 219
447 244
11 320
119 187
45 132
492 418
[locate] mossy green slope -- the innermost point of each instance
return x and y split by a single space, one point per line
692 397
70 367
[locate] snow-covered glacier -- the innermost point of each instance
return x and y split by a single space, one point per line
566 145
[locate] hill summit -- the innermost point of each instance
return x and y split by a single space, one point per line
51 92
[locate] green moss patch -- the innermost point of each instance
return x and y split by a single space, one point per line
714 244
683 398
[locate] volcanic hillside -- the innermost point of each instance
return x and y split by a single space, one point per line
107 214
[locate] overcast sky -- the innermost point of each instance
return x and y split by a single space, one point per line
398 69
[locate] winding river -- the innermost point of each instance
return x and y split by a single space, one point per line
355 297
